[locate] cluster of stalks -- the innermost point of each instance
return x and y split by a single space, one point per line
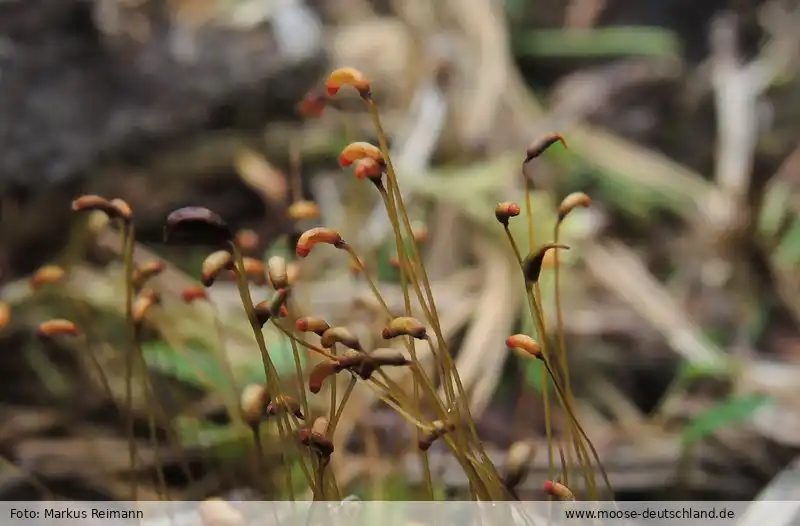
444 418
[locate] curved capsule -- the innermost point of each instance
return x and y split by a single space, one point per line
57 327
532 265
310 238
347 77
538 147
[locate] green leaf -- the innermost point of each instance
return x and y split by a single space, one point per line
727 413
223 441
192 366
606 41
689 372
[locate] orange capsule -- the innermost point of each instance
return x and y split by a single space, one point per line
193 293
215 263
143 303
123 209
310 238
148 270
58 327
247 239
303 211
47 275
505 211
347 77
312 324
367 168
319 373
394 261
526 344
5 314
558 490
359 150
254 270
313 105
91 202
571 202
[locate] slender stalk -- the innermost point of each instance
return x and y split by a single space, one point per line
563 363
270 372
127 258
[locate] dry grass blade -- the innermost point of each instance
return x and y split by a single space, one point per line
623 273
482 355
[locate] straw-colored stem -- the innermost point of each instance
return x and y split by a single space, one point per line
563 363
127 260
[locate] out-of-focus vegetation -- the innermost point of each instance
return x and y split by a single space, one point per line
670 325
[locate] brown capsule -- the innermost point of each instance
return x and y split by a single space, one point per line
526 344
571 202
518 463
357 363
254 271
432 435
53 328
285 402
368 168
394 262
405 326
303 211
340 335
265 310
316 438
538 147
194 225
147 271
532 265
277 272
360 150
90 203
5 314
143 303
217 512
319 373
558 490
253 403
347 77
383 357
215 263
312 324
247 239
193 293
47 275
122 209
312 237
313 105
505 211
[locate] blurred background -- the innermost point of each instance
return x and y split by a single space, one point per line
681 292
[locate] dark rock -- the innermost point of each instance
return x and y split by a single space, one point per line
88 84
84 80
